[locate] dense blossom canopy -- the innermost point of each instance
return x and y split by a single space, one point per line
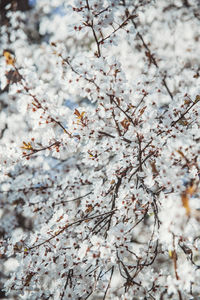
99 150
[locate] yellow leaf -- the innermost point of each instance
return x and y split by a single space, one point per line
27 146
9 57
78 114
170 253
185 197
197 98
185 202
82 114
151 214
89 208
90 154
187 101
192 189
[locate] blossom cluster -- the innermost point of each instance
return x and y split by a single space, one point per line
99 150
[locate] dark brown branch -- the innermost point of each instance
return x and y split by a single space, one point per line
33 151
115 195
93 31
75 199
124 23
148 52
183 114
70 225
112 270
37 104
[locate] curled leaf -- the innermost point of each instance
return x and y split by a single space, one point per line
125 123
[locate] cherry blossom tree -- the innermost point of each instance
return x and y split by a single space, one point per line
99 140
